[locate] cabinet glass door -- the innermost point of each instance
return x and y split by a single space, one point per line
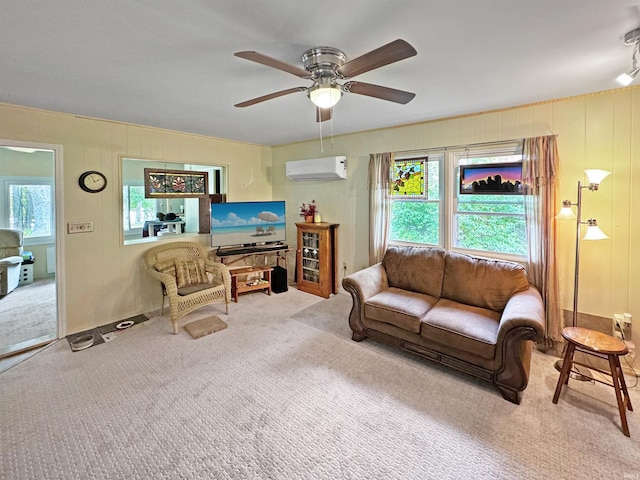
310 257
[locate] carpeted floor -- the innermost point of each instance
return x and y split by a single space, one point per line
28 312
283 393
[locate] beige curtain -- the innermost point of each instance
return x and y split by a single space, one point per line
540 172
379 205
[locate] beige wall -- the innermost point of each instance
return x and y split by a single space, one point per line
594 131
104 280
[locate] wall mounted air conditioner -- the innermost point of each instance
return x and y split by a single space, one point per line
329 168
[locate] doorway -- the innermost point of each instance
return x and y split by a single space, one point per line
30 307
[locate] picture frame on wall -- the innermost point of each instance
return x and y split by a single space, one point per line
163 183
491 179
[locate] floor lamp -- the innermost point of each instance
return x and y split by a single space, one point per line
593 232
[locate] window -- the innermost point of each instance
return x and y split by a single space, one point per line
487 222
136 208
29 207
416 217
475 222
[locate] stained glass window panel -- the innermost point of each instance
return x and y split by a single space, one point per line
408 178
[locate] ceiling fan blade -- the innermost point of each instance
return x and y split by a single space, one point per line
323 114
389 53
384 93
253 101
274 63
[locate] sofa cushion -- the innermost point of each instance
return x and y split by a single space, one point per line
401 308
463 327
482 282
189 289
419 269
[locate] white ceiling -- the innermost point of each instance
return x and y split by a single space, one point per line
170 63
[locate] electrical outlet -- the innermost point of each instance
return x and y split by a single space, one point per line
621 328
79 227
617 322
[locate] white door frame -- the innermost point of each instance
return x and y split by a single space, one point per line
59 225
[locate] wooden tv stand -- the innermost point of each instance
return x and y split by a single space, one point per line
239 286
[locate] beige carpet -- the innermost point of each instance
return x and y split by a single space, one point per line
28 312
283 393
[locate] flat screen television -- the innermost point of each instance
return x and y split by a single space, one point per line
248 223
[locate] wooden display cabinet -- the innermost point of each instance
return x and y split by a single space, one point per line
317 257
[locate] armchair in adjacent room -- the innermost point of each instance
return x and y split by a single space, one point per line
189 279
10 259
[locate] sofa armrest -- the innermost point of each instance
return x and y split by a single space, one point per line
522 321
363 285
367 282
524 309
13 260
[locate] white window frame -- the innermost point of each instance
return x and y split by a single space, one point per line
136 231
432 157
449 159
6 184
453 158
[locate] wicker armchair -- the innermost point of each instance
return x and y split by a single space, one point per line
172 263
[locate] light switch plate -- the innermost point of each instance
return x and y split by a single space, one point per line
79 227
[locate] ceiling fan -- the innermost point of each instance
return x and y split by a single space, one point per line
325 66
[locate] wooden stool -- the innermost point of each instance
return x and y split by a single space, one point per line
601 346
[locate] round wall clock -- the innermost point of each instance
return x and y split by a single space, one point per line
92 181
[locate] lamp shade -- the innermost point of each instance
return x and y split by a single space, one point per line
626 78
566 212
593 231
325 96
596 176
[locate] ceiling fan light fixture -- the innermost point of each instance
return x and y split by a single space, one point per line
325 66
632 38
325 96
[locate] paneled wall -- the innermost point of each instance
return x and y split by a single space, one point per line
105 280
600 130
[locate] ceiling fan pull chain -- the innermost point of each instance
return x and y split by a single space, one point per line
331 127
321 145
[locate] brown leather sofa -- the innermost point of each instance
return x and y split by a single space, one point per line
477 315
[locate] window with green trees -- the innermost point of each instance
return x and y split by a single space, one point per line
137 208
416 217
483 223
30 208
